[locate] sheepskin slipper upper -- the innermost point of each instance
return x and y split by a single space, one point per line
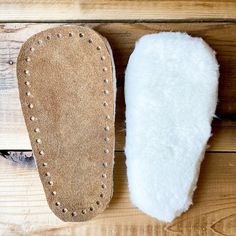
171 87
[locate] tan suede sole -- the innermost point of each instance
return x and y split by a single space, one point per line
66 85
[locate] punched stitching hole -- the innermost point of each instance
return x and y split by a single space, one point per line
105 164
38 140
41 152
37 130
74 213
64 210
32 118
104 176
26 72
107 128
31 106
106 139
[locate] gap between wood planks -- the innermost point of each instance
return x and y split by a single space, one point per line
101 21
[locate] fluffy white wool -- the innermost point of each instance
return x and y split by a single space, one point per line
171 88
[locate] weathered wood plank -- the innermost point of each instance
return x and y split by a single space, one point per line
23 207
220 36
46 10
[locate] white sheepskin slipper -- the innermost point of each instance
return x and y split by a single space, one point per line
171 87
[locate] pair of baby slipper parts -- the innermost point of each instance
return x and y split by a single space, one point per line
67 86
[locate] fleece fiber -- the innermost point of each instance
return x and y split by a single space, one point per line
171 88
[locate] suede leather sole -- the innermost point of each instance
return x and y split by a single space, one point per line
66 86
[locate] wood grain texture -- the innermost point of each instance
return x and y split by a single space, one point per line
23 207
46 10
221 36
24 211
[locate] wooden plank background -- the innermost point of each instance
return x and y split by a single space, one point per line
59 10
23 207
122 37
24 211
